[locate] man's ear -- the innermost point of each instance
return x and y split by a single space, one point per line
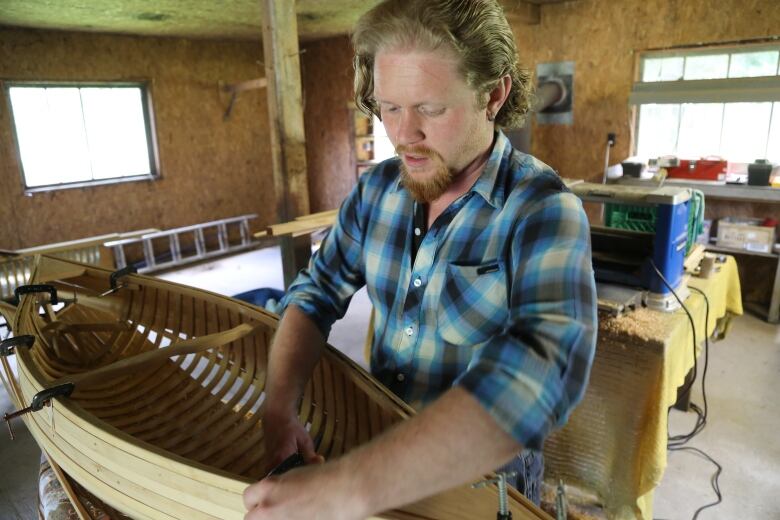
498 96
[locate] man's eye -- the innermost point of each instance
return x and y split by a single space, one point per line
430 111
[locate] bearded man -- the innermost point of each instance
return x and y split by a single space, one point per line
477 262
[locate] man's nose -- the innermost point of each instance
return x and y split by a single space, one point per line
409 129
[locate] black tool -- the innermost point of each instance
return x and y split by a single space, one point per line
116 275
295 460
30 289
291 462
8 346
39 400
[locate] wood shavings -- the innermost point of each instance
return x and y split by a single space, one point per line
643 325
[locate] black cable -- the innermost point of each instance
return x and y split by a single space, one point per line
689 384
701 420
677 442
713 480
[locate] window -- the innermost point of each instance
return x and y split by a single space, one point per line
75 135
721 102
383 148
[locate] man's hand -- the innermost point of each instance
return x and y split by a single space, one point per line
316 492
284 436
453 441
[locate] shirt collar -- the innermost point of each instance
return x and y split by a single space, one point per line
487 184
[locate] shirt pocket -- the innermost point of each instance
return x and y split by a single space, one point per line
473 303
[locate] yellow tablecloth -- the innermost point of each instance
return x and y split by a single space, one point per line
615 441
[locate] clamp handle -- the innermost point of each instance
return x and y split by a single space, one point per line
7 346
119 273
40 399
30 289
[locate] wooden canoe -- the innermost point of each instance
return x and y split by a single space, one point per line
164 421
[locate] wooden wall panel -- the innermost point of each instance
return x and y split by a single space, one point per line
602 38
210 168
327 83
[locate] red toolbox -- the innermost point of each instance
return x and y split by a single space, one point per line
698 170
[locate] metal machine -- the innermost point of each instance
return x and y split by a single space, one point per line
642 243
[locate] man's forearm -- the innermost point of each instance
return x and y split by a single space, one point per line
295 350
451 442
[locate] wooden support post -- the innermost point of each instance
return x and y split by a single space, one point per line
288 143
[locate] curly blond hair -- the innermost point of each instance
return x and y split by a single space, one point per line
476 30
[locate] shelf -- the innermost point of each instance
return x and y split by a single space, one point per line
734 251
733 191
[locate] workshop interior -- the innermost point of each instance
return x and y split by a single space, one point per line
168 168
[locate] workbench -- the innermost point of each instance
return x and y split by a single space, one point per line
614 444
773 311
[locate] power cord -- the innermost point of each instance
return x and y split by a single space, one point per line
677 442
689 384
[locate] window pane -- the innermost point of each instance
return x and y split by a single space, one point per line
745 129
51 136
752 64
657 130
663 69
773 145
711 66
116 129
700 126
383 148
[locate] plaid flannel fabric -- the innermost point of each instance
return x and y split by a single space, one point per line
500 298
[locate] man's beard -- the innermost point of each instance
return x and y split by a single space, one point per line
427 190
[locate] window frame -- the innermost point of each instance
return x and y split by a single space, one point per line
683 91
145 87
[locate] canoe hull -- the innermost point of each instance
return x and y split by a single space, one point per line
181 437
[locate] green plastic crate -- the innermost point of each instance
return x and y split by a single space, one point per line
633 218
643 218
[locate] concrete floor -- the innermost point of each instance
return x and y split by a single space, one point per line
742 390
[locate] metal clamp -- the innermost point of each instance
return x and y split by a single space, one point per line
119 273
115 276
561 504
503 503
30 289
8 346
39 400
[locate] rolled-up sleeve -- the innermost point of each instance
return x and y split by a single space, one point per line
323 290
530 376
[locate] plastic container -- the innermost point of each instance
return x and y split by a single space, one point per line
746 233
759 172
632 169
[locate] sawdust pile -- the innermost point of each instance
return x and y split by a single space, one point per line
642 325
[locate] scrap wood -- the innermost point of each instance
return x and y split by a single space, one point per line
304 225
694 258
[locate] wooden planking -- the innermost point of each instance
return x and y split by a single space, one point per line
301 226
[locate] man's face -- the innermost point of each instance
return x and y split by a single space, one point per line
431 116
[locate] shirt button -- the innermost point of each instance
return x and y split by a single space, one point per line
400 377
409 331
417 282
417 231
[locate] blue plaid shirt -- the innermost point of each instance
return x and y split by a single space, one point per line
500 298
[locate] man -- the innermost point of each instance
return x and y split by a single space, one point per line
476 259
